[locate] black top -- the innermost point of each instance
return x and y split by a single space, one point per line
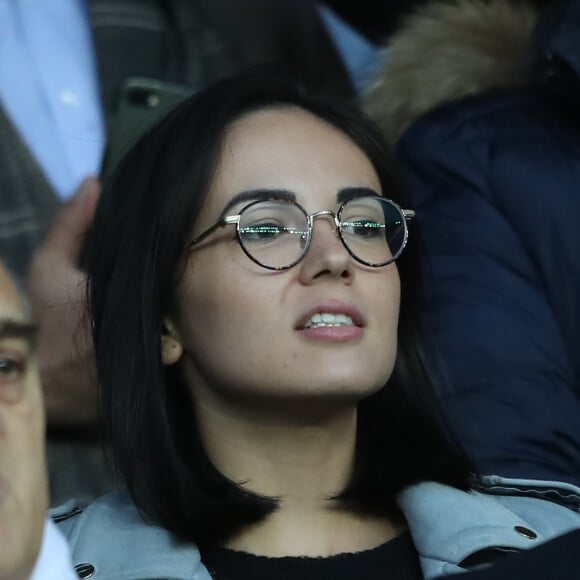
395 560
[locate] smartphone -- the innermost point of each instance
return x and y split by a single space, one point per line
142 102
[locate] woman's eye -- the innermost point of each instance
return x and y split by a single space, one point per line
363 228
261 232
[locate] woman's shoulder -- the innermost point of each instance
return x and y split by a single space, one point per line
110 536
558 559
455 530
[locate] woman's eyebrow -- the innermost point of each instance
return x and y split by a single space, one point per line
10 328
258 195
347 193
343 195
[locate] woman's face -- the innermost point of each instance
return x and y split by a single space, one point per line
242 328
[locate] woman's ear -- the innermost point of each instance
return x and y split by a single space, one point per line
171 347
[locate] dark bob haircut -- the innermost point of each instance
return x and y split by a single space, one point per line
134 258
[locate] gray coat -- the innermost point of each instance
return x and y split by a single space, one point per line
452 530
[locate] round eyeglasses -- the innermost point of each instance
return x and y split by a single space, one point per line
276 233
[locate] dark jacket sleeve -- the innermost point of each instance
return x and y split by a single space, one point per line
495 183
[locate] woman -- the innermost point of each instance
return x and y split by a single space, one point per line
256 321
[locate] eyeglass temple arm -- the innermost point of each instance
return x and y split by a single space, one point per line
225 221
408 214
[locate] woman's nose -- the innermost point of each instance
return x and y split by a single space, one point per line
327 256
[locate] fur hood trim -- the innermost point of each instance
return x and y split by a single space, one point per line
448 50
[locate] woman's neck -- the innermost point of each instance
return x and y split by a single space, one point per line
302 458
279 451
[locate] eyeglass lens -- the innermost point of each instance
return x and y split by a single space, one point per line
276 234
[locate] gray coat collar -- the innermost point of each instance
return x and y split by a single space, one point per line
448 526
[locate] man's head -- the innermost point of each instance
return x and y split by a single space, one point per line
23 477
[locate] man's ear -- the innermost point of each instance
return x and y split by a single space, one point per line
171 347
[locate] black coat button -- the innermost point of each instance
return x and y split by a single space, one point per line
85 570
526 532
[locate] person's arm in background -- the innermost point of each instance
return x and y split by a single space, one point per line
56 290
24 530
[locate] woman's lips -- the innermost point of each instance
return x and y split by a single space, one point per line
332 320
333 333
